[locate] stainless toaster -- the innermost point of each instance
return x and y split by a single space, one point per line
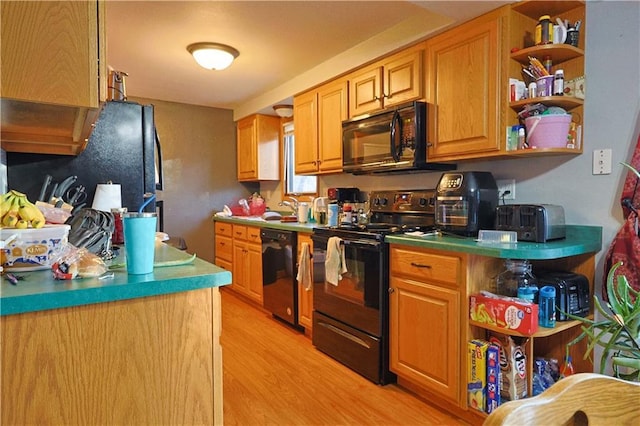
533 222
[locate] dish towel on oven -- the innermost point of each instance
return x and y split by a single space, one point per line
304 269
334 264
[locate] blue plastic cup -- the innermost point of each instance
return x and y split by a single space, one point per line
139 241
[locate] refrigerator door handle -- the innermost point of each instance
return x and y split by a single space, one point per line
158 164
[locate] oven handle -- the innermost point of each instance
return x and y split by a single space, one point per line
321 243
344 334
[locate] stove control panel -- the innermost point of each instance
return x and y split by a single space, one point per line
410 201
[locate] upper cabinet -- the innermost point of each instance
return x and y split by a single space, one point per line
53 78
318 116
258 153
388 82
469 72
464 78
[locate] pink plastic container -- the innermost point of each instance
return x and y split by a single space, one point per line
548 131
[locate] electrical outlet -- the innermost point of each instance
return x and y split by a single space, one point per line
505 185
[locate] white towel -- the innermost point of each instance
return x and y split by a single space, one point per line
304 268
334 264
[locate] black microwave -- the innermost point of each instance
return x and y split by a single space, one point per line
394 140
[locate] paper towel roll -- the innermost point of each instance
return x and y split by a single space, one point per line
108 196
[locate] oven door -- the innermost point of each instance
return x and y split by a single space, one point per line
356 299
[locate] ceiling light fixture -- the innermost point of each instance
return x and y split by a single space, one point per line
213 56
283 110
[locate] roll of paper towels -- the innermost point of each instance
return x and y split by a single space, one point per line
108 196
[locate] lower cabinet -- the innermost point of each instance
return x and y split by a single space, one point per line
305 297
247 262
424 320
239 250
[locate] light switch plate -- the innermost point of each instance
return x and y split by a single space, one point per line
602 161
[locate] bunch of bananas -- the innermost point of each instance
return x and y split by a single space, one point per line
16 211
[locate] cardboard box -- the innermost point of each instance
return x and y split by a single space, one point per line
477 374
504 313
493 377
513 365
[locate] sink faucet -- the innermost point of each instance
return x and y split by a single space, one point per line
293 204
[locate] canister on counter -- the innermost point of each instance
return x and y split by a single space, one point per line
118 235
334 210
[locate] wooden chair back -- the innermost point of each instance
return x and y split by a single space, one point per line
581 399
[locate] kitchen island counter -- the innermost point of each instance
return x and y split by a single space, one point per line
128 350
39 290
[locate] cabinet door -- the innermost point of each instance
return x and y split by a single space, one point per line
403 78
254 271
332 111
425 335
305 297
305 131
247 129
239 267
50 52
463 83
365 91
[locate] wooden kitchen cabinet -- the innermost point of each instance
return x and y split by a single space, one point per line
388 82
224 245
247 262
318 116
424 319
258 146
305 297
53 78
464 82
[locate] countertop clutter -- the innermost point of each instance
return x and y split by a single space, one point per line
40 291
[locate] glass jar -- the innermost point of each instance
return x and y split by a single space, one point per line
118 235
517 274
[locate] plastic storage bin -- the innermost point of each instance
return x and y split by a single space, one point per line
548 131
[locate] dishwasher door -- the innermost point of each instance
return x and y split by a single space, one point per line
279 287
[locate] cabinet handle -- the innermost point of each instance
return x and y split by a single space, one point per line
420 265
386 96
391 290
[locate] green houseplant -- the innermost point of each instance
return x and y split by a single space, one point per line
617 332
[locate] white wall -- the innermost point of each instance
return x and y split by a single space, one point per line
612 108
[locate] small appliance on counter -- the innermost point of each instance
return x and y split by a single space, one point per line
466 202
344 195
572 292
532 222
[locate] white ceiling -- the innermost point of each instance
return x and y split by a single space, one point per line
285 46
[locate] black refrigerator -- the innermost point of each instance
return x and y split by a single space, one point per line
123 148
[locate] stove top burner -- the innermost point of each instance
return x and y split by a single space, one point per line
383 228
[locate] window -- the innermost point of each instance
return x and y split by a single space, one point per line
295 184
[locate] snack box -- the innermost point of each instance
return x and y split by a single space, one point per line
477 374
33 249
504 312
493 377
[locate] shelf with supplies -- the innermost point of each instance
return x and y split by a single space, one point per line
558 52
542 331
566 102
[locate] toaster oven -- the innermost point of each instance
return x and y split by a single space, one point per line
466 202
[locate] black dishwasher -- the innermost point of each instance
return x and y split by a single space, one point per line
279 287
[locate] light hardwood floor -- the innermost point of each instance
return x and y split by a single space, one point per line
273 375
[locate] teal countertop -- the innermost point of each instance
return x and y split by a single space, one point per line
40 291
273 224
579 240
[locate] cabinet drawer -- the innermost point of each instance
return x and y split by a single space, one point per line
224 264
425 266
224 248
224 229
239 232
253 235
